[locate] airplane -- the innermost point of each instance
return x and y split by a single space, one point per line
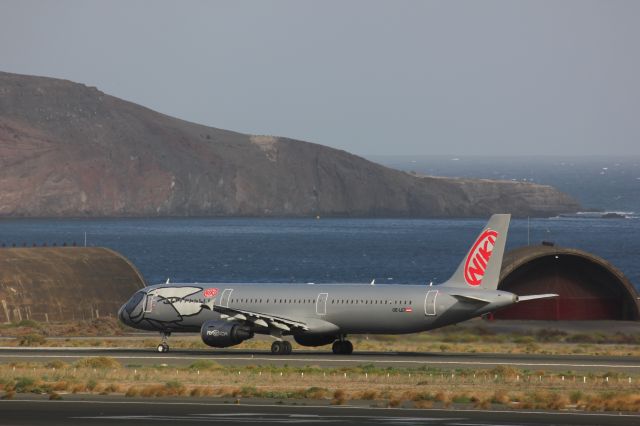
322 314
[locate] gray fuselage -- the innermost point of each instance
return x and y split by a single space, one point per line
325 308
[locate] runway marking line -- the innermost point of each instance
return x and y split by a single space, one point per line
329 407
327 360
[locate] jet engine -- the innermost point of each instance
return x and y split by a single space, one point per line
314 340
222 334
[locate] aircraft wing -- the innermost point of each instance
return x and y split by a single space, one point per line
257 318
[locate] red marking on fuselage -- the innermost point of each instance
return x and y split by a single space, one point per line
210 292
478 259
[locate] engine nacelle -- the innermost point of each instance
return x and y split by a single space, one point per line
314 340
222 334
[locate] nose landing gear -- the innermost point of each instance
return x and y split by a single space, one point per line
164 346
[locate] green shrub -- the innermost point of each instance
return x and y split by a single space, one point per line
173 384
551 335
23 384
28 323
31 339
57 364
100 362
576 396
91 384
205 365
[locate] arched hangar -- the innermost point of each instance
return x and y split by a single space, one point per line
590 287
64 283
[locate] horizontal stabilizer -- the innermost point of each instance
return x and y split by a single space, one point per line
471 299
536 296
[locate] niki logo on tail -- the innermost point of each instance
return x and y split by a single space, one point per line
478 258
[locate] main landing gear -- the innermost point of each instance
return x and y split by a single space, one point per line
342 347
281 347
164 346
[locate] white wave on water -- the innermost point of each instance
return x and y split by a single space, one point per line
607 214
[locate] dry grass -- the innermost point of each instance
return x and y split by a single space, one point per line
505 387
339 397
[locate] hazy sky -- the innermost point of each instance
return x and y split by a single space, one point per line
371 77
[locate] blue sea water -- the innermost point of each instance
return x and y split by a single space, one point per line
320 251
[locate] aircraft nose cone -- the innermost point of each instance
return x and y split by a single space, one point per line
122 315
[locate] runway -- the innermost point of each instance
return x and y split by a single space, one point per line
118 411
577 363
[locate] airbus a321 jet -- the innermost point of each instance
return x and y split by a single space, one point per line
318 315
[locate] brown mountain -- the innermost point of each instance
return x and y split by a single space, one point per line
70 150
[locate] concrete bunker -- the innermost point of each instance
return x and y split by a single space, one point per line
590 287
64 283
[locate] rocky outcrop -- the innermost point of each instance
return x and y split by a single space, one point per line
71 150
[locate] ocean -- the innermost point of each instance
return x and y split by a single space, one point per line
360 250
321 251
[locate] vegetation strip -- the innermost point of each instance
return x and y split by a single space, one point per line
478 338
424 387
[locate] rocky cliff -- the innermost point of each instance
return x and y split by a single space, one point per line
71 150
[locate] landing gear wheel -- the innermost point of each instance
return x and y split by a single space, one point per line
342 347
281 347
164 346
276 347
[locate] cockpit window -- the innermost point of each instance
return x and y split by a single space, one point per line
134 301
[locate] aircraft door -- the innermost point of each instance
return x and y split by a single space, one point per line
224 299
430 303
150 300
321 304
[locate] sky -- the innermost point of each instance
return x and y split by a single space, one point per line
370 77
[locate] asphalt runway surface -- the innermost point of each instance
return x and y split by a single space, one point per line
116 411
178 357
